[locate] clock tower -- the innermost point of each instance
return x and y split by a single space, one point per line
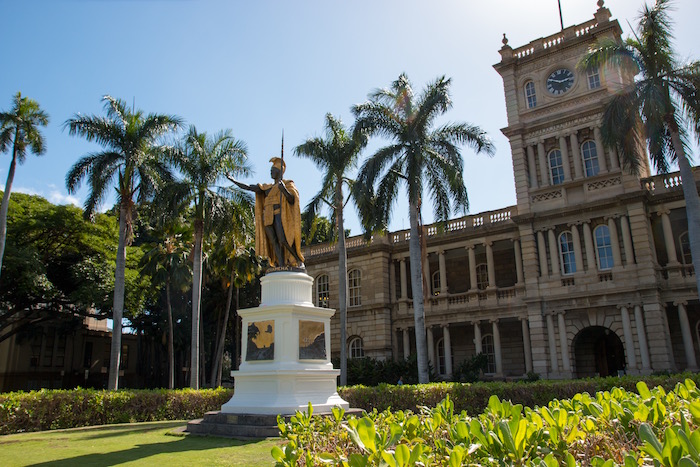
554 112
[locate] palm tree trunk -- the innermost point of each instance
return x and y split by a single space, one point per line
342 285
217 366
171 345
236 333
118 303
692 202
6 201
417 289
196 301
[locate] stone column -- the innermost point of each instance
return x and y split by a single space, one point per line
668 238
627 240
542 250
563 343
614 242
565 158
402 273
642 338
552 345
498 356
576 156
590 249
614 160
600 150
691 362
629 342
490 266
518 262
532 168
406 343
578 256
544 171
527 346
448 349
472 269
553 252
477 338
392 282
431 346
443 272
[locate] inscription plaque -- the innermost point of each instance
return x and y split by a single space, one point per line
261 341
312 340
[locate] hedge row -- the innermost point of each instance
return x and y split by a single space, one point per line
473 398
54 409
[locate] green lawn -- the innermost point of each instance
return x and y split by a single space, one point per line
148 444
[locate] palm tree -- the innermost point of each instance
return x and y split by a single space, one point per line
166 262
660 107
422 158
131 160
19 127
336 155
203 161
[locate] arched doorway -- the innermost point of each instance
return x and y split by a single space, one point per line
598 352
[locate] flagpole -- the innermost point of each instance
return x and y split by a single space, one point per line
561 18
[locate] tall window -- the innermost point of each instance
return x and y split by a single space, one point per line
603 247
482 276
435 281
530 95
566 248
487 348
322 291
354 278
556 167
590 158
685 248
441 369
593 78
355 349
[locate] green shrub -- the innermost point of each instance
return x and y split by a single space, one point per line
474 397
54 409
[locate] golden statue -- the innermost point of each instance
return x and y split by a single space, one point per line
277 218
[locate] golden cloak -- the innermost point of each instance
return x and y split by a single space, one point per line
291 224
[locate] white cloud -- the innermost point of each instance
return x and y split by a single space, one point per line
56 197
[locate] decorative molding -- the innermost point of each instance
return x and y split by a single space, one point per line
547 196
592 186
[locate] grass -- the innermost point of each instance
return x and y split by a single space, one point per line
147 444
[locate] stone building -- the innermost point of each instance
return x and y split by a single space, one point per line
588 274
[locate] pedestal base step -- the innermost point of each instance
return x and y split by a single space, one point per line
243 426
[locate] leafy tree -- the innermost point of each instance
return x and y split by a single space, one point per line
60 268
19 129
131 160
203 161
660 107
336 155
315 230
423 159
166 261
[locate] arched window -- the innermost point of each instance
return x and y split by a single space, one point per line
556 167
684 242
355 349
593 78
566 249
441 357
487 348
530 95
323 294
603 247
482 276
354 295
435 282
590 158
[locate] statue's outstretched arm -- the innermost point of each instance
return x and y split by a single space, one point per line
253 188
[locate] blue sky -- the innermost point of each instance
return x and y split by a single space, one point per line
258 67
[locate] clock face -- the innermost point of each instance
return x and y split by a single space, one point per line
560 81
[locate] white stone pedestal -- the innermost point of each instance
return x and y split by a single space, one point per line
279 374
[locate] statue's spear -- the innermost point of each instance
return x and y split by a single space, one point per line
282 152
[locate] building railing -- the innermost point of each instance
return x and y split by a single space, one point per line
664 183
555 40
